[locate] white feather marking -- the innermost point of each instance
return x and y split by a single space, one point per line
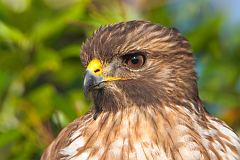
139 151
82 156
234 140
189 153
72 149
75 134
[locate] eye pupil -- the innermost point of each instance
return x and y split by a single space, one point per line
134 60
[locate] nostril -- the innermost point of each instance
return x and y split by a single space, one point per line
97 70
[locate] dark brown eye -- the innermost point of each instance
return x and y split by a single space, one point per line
134 61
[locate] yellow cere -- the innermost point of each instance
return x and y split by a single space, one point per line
95 66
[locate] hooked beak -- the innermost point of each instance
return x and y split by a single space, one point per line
91 81
94 79
93 76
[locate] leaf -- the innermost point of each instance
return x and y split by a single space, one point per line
9 137
42 99
47 60
54 24
12 35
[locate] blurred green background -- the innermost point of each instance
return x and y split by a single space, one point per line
41 73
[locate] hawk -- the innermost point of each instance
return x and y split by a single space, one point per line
143 84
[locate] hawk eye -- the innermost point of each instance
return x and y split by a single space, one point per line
134 61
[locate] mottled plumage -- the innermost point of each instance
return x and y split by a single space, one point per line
146 111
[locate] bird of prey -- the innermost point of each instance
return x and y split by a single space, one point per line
146 106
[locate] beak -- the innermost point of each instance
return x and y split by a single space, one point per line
93 77
91 81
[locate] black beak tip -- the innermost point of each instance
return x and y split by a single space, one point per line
86 91
87 83
90 81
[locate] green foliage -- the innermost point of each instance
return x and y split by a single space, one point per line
41 73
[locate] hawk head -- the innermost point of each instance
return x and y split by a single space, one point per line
138 63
